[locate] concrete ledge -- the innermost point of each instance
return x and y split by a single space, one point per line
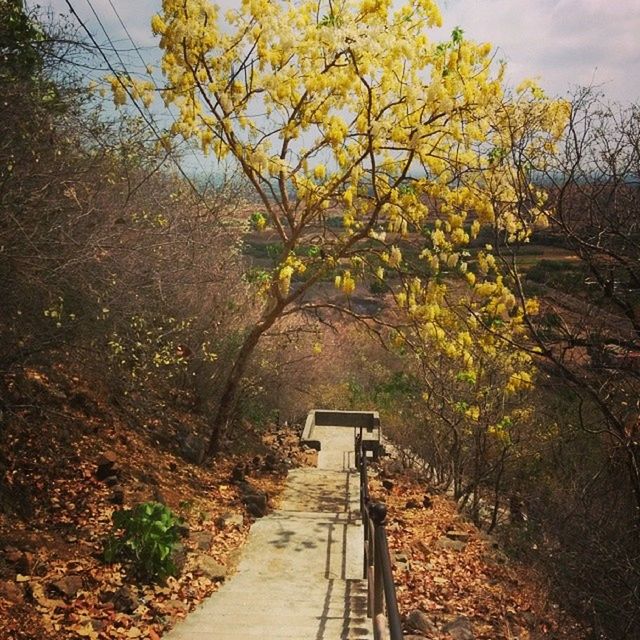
307 433
367 421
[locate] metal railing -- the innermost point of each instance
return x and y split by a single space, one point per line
382 605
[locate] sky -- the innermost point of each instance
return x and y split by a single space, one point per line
562 43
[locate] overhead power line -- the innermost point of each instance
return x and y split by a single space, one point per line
147 117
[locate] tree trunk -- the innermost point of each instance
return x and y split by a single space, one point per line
229 397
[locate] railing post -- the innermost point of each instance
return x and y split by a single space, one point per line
378 514
383 573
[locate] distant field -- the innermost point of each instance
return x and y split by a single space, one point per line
530 255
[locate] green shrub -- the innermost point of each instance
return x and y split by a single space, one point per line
145 536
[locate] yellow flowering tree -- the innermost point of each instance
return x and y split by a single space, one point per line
351 109
475 404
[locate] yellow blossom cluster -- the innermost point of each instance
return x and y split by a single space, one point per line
345 282
288 268
356 113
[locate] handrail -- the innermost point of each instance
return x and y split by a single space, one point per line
382 602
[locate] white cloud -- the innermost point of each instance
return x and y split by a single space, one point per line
564 42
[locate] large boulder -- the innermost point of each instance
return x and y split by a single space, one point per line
68 586
210 568
460 629
419 621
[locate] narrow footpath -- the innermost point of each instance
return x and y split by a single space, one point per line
300 575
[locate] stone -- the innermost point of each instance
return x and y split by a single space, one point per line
256 505
270 463
99 625
393 468
455 545
174 607
460 629
210 568
201 539
69 585
11 591
529 619
125 600
12 555
455 534
117 494
229 519
237 474
255 500
106 465
420 621
179 557
193 448
25 563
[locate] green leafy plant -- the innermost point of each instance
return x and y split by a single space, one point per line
145 536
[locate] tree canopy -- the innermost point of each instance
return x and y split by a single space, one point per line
352 107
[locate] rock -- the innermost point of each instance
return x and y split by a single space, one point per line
117 494
460 629
446 543
25 562
412 504
210 568
174 607
11 591
255 500
106 465
256 505
420 621
202 540
179 557
68 586
125 600
270 463
454 534
388 484
82 402
99 625
229 519
193 448
237 474
393 468
12 555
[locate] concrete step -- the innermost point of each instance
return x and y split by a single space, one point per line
300 573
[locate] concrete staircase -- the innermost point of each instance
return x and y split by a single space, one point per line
300 575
